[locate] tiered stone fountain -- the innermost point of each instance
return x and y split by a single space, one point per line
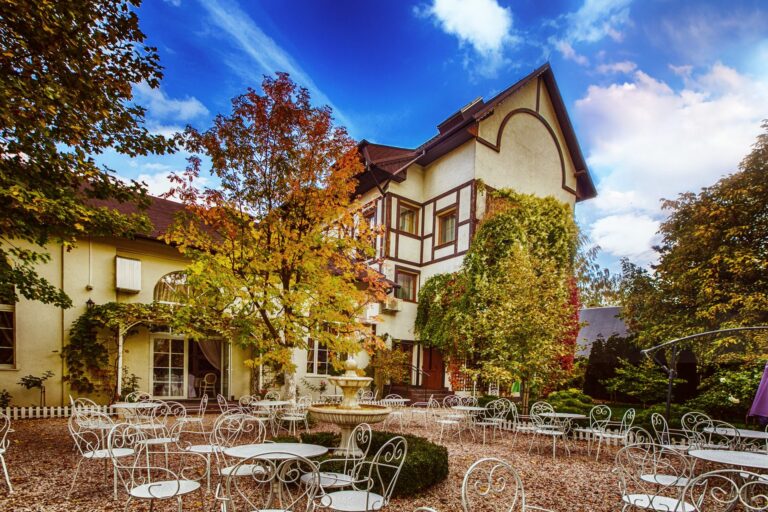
349 413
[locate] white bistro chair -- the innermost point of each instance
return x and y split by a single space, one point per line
492 484
339 472
144 481
375 481
727 489
5 429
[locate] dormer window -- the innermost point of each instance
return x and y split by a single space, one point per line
408 218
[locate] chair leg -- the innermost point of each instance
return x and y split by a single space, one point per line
5 472
74 479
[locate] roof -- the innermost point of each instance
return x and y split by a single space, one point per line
390 163
160 212
599 323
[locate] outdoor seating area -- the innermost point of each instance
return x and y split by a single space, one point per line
248 455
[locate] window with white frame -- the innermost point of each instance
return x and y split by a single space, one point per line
317 358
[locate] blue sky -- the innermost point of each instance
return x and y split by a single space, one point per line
666 96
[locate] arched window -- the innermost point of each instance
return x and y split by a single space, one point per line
172 288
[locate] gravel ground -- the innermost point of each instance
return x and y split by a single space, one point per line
42 461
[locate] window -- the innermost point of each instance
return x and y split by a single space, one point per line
407 218
7 330
172 289
407 282
446 227
317 358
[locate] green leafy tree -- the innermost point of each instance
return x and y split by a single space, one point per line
597 286
509 311
645 381
278 249
66 75
712 270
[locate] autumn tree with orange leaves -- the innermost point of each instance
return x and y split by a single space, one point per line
278 247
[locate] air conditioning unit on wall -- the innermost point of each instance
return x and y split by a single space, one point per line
392 305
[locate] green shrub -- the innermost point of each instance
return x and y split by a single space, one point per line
426 463
570 400
728 393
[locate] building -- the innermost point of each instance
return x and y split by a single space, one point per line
426 198
599 323
429 202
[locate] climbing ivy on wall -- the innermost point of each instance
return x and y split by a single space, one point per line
87 354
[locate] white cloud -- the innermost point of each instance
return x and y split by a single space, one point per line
160 106
483 25
597 19
262 49
609 68
627 236
568 53
175 3
649 140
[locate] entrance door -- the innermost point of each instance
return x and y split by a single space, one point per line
169 363
433 367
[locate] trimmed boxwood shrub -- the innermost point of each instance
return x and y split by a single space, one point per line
426 463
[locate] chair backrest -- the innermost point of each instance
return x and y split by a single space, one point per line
273 481
5 427
660 428
83 403
203 406
627 419
638 435
469 400
244 400
272 395
381 473
361 437
599 416
539 408
230 426
498 409
138 396
223 403
692 419
640 466
88 430
492 484
451 401
209 379
727 489
174 411
714 434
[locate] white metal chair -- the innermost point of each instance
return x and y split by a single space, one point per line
271 482
291 418
496 413
652 477
89 430
714 435
5 429
627 419
194 418
452 422
599 416
398 412
672 438
141 480
339 472
227 430
727 489
493 484
421 409
375 481
548 427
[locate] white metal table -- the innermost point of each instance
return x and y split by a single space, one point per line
277 451
399 402
732 458
269 404
743 433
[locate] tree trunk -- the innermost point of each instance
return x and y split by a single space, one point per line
524 395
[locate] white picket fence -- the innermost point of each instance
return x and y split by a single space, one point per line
24 413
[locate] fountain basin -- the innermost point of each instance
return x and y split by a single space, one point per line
348 419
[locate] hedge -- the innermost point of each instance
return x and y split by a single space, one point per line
426 463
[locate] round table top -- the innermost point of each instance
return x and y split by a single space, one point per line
277 451
563 415
733 458
270 403
742 432
136 405
470 408
395 400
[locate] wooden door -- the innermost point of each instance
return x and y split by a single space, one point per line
434 368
